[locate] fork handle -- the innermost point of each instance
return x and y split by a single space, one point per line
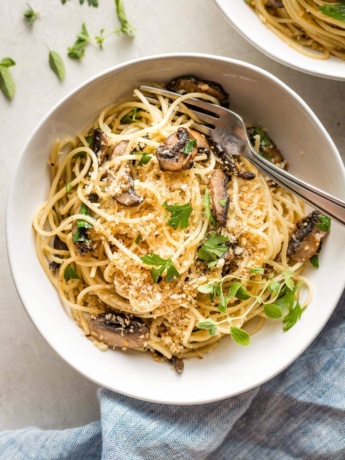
318 199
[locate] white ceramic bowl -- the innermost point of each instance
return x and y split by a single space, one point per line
247 23
230 369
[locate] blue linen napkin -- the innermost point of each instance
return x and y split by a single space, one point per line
298 415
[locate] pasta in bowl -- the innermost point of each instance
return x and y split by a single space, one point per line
229 368
157 241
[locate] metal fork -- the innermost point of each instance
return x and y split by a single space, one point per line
229 130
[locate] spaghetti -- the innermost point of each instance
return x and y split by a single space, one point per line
159 264
303 26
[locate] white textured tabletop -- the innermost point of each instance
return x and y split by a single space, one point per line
36 386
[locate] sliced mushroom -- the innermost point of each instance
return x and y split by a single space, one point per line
276 3
268 148
202 143
93 197
100 145
119 330
178 364
190 84
59 244
127 197
171 154
228 257
219 195
306 238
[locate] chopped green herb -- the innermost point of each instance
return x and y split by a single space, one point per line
335 11
68 187
70 273
179 215
57 65
77 51
126 26
323 223
213 289
286 299
89 139
256 271
314 260
292 317
81 223
209 325
130 117
7 84
189 146
273 311
100 38
206 201
222 202
213 248
239 336
164 264
274 286
90 2
30 15
145 158
138 239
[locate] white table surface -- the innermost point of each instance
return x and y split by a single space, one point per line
36 387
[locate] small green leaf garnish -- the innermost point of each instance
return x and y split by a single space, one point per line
206 201
335 11
189 146
209 325
164 264
68 187
126 26
130 117
222 202
273 311
213 289
81 223
100 38
77 51
138 239
90 2
323 223
213 248
179 215
145 158
70 273
89 139
7 84
256 271
57 65
30 15
274 286
239 336
314 260
292 317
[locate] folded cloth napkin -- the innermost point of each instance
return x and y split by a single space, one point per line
300 414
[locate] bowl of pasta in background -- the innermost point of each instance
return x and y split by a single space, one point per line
229 369
247 23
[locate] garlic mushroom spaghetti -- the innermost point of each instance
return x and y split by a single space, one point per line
312 27
131 235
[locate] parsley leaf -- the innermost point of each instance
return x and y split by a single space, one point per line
179 215
189 147
206 201
130 116
83 223
256 271
138 239
209 325
273 311
335 11
292 317
323 223
7 84
213 248
77 51
239 336
30 15
164 264
100 39
70 273
126 26
145 158
57 65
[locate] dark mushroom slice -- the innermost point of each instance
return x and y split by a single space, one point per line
177 364
228 166
219 196
306 238
276 3
100 145
93 197
127 197
191 84
177 152
119 330
228 258
59 244
268 148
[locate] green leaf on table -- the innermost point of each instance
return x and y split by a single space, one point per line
30 15
7 85
126 26
77 50
57 65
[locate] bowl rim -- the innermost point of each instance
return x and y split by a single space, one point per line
11 246
280 57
